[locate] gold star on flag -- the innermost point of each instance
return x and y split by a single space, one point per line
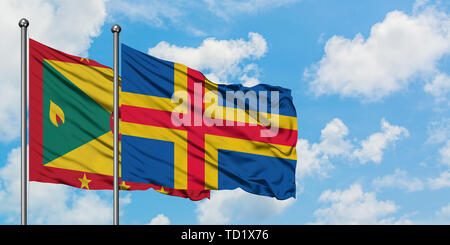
84 182
82 59
162 190
124 186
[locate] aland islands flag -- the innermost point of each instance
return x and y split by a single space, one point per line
182 131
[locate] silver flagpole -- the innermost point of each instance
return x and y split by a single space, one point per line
23 23
116 30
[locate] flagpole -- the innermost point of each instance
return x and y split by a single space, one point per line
23 24
116 30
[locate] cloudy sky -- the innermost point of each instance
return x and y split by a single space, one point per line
370 82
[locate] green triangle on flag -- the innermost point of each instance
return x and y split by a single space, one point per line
71 118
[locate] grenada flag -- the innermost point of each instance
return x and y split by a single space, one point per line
71 140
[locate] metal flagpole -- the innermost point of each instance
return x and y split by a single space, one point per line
116 30
23 24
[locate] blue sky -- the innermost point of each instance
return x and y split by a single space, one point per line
370 82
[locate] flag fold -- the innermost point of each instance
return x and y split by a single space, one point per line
180 130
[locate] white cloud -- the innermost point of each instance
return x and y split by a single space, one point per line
310 160
249 81
419 5
354 206
372 148
51 203
86 208
65 25
52 22
160 219
332 139
439 131
228 8
10 183
402 220
222 59
443 180
444 211
440 182
445 153
439 86
250 74
316 158
399 180
386 61
230 206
